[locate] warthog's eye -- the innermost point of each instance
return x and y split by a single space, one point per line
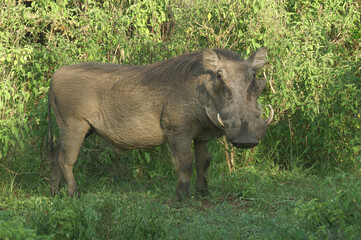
228 94
218 82
220 87
219 75
252 90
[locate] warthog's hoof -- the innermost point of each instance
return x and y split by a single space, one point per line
203 192
182 191
54 188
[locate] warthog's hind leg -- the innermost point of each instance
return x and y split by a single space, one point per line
72 137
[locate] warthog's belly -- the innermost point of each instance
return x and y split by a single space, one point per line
132 132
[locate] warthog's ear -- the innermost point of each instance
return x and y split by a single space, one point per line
258 59
210 60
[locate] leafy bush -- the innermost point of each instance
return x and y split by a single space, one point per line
12 227
337 217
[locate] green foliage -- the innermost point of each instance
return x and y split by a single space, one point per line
316 84
262 208
12 227
337 217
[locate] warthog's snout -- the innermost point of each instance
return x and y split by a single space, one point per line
246 144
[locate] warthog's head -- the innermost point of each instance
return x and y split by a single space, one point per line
231 94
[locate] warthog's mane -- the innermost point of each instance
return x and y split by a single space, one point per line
173 70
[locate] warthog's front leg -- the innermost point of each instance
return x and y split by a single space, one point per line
182 157
203 159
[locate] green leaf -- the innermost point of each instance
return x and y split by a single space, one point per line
147 157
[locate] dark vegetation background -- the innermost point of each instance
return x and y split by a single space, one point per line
314 74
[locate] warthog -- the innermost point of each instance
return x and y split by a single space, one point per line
197 96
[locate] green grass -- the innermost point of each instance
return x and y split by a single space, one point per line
248 204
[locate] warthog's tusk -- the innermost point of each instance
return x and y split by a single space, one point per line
220 119
270 118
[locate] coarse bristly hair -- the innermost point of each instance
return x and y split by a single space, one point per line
173 70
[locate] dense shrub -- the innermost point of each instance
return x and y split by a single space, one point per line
313 71
338 217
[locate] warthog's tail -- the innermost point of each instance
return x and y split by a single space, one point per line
50 143
53 154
